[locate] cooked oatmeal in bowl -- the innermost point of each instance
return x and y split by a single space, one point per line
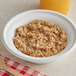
40 39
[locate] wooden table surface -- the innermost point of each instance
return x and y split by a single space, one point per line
65 66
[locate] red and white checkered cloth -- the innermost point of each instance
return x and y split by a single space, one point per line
25 70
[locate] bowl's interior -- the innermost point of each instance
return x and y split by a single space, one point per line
29 16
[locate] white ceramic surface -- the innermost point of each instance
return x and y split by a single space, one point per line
28 16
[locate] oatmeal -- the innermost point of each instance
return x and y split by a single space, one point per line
40 39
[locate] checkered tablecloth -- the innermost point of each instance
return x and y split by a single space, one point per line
25 70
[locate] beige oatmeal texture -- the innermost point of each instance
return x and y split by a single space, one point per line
40 39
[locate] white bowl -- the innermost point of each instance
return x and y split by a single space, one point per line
28 16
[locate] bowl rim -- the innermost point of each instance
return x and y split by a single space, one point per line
30 58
